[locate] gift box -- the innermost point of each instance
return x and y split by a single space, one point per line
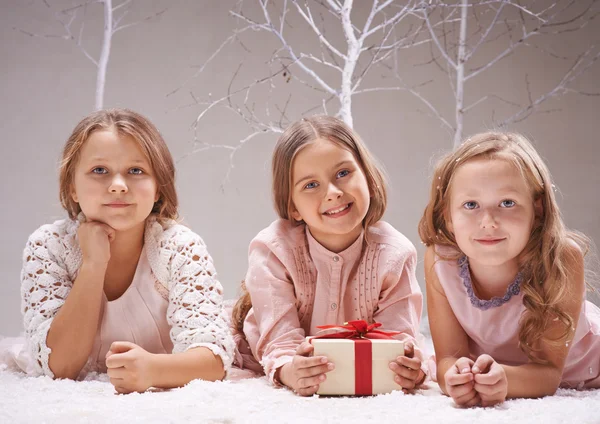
361 356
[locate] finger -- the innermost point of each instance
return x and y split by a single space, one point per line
488 378
458 379
311 381
304 349
308 362
117 382
487 390
411 363
463 365
465 398
118 360
473 402
122 347
319 369
117 373
461 390
482 364
308 391
405 383
409 349
404 372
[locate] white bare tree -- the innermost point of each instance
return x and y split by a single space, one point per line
458 31
346 43
73 21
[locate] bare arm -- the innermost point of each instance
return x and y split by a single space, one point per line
72 332
449 339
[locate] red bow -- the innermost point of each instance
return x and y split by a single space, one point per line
358 329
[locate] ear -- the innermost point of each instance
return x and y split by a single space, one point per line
74 194
295 214
157 196
538 207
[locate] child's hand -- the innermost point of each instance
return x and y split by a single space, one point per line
490 380
129 367
408 369
304 374
460 384
94 242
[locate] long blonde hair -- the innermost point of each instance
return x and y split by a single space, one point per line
123 122
545 258
296 137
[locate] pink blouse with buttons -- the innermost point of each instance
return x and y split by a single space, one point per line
296 285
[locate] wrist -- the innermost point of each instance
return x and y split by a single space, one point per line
94 266
280 375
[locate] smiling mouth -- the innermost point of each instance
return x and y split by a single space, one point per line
338 210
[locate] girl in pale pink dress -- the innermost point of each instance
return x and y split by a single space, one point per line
505 278
328 260
119 286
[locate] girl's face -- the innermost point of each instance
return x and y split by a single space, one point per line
491 211
329 193
113 181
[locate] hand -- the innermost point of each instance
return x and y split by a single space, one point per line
94 241
129 367
490 380
408 369
304 374
460 385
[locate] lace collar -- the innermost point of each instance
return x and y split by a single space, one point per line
513 289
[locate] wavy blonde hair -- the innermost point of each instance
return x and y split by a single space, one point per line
544 260
295 138
123 122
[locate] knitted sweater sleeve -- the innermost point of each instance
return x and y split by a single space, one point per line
195 312
45 284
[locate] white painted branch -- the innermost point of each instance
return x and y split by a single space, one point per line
460 73
104 54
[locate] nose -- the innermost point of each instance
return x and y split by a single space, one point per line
333 192
488 220
118 185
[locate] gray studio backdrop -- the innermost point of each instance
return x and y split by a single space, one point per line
47 84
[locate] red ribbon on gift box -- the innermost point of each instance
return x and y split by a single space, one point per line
360 332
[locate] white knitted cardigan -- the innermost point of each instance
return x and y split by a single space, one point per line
179 261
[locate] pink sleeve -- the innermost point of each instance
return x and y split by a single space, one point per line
275 332
400 300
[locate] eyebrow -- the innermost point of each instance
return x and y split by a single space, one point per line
103 159
311 176
504 191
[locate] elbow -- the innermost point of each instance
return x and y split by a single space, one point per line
62 371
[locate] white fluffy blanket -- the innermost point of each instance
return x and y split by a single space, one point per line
34 400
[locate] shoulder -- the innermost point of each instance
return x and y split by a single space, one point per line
281 235
172 248
56 242
57 238
384 234
171 235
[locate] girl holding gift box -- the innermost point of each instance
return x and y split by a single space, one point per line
119 285
505 278
328 260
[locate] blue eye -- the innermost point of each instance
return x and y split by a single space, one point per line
99 170
342 173
470 205
136 171
311 185
507 203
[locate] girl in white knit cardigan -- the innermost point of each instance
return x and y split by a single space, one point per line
120 287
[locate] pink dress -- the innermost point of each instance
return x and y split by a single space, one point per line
139 316
492 326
